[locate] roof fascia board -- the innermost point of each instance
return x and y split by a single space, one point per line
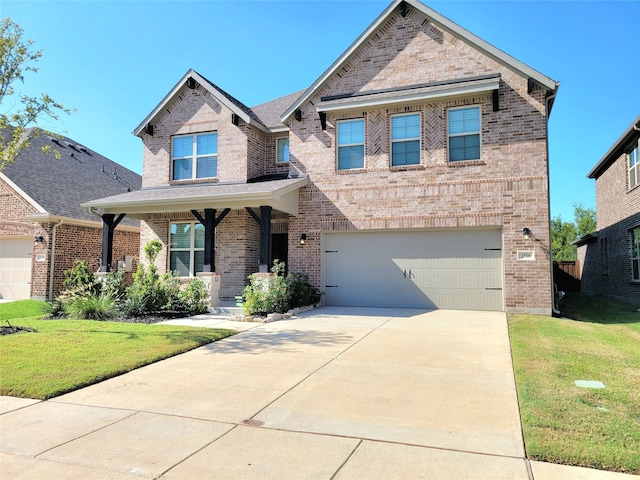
410 97
443 22
207 86
23 194
615 151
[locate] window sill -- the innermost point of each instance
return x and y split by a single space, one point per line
193 181
405 168
351 171
466 163
634 282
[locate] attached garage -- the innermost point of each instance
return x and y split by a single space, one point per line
449 269
15 267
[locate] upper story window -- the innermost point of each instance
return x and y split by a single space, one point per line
194 156
635 253
463 130
634 167
282 155
405 139
186 248
350 144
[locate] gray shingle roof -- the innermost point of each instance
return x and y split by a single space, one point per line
61 185
269 112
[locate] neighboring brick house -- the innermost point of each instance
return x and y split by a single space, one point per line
405 175
41 218
610 257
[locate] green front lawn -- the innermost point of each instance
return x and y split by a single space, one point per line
64 355
563 423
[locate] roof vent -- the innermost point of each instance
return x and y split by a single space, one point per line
56 141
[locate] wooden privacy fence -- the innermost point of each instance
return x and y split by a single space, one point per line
566 275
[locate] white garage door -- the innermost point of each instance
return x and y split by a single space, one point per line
450 269
15 268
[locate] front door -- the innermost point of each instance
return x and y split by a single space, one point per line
280 248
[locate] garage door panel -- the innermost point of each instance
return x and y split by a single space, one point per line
15 268
421 269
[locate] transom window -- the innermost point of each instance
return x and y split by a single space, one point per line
283 150
186 248
634 168
635 253
194 156
405 139
350 142
463 130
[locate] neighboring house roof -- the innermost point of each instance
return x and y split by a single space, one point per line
279 194
57 187
630 135
442 22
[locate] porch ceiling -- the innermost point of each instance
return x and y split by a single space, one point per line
281 195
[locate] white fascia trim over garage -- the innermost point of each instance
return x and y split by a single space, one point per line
413 94
44 218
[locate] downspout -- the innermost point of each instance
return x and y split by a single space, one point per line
554 308
53 257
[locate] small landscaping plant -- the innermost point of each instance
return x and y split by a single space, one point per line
85 296
280 293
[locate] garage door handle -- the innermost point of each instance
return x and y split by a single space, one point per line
493 288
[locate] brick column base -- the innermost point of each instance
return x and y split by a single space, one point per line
263 279
212 281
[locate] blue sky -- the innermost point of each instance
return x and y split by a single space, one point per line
114 61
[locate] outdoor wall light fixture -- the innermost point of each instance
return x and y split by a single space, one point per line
527 233
303 239
38 239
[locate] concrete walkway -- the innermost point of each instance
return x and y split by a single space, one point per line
333 394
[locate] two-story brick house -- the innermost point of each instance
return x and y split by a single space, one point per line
405 175
610 257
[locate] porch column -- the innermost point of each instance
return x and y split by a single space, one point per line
210 222
109 223
265 239
264 220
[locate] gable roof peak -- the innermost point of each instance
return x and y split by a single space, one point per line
442 22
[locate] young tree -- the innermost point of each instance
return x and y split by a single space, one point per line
585 220
562 235
16 58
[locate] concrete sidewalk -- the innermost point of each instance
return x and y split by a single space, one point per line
335 393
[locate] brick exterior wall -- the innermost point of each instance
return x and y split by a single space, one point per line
606 261
506 188
73 242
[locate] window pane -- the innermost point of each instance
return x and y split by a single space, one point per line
180 235
199 233
283 150
207 167
198 259
182 147
464 120
464 148
350 132
207 144
181 169
636 270
405 126
405 153
179 262
635 243
351 157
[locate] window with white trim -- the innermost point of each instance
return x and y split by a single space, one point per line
186 248
282 155
463 131
194 156
635 254
350 144
405 139
634 167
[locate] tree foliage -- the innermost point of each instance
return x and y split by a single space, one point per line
18 57
563 233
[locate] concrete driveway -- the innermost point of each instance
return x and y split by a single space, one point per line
337 393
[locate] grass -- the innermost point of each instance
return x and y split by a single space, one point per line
64 355
563 423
